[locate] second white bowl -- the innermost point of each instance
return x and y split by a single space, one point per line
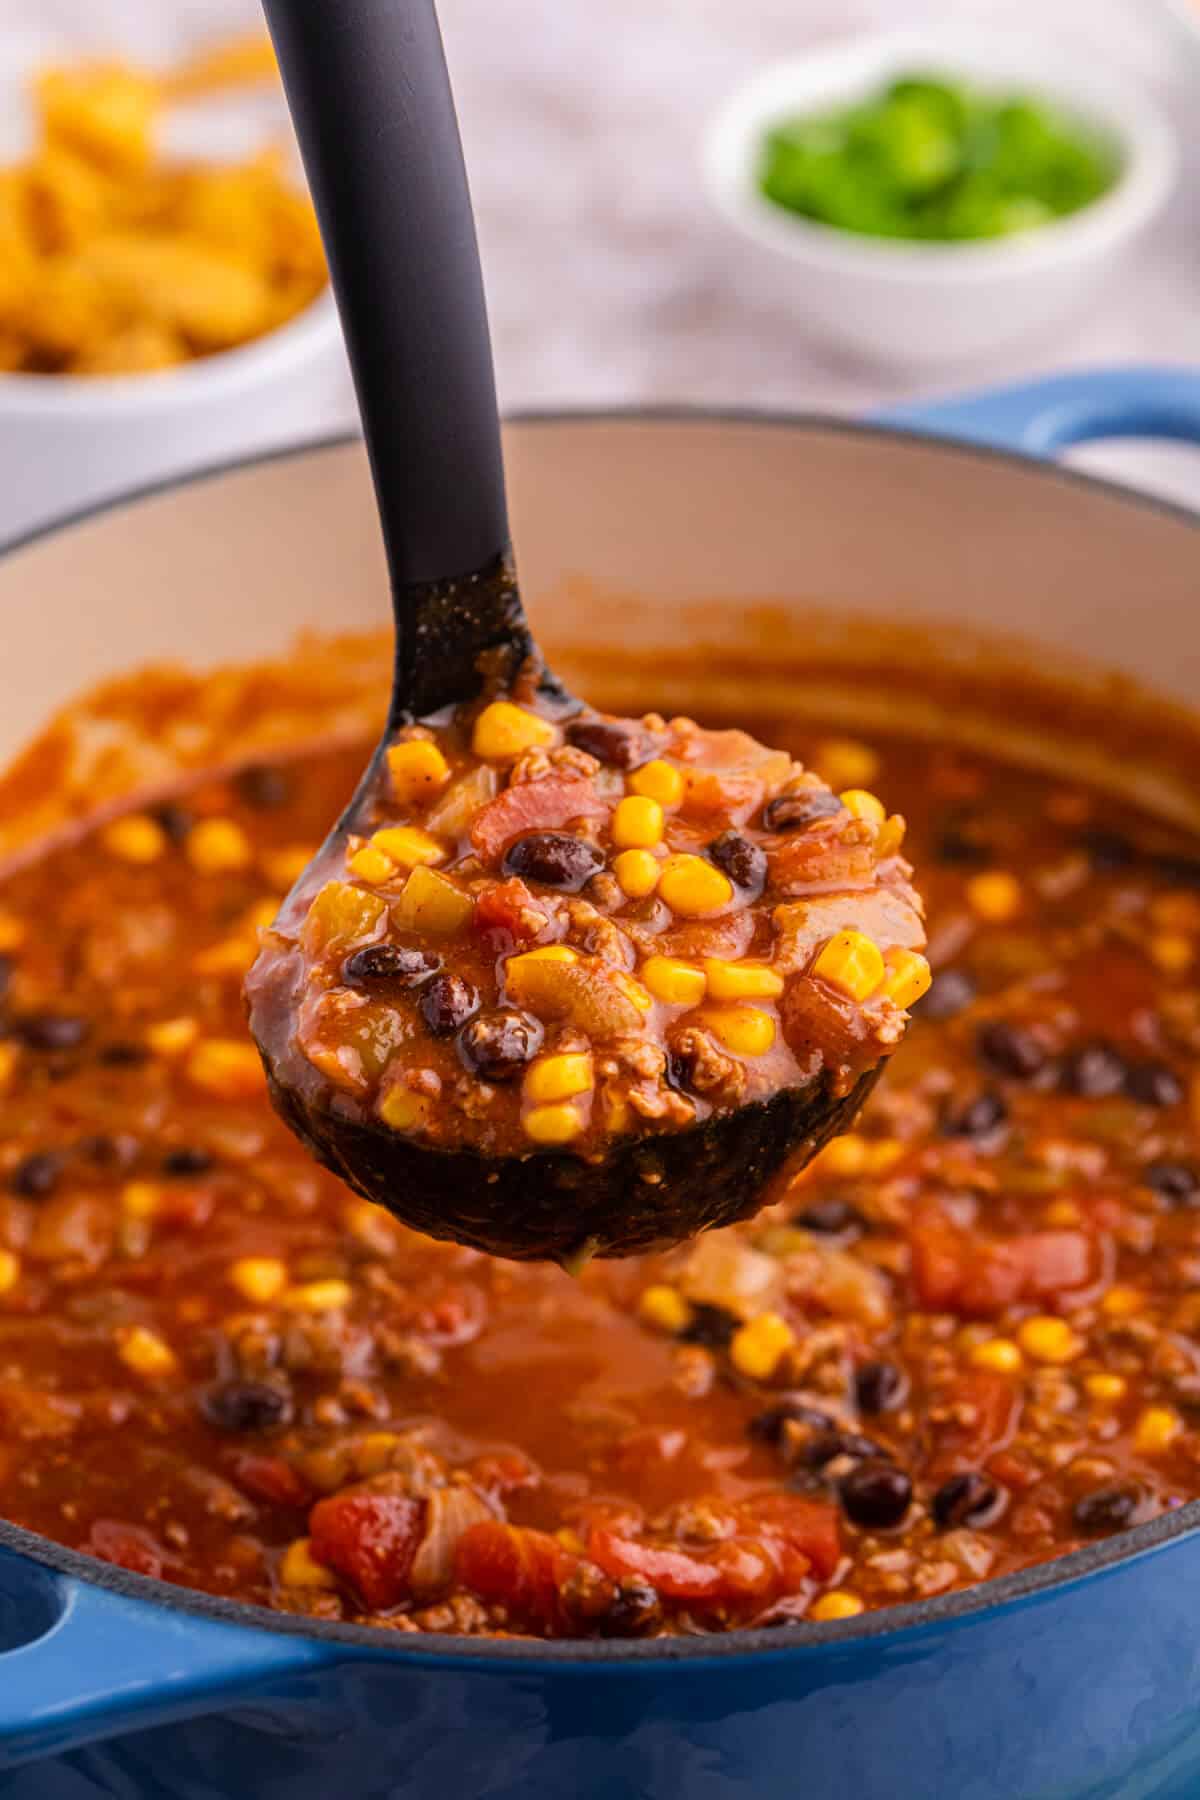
924 303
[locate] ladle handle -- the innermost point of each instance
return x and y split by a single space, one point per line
369 93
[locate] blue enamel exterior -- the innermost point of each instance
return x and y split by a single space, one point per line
1077 1689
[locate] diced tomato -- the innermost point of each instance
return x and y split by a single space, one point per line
128 1546
369 1535
546 805
515 1567
456 1315
675 1574
983 1409
809 1526
954 1271
509 907
270 1478
504 1472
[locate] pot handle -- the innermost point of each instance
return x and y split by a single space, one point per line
1044 417
86 1661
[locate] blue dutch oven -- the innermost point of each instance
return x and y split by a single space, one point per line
1079 1678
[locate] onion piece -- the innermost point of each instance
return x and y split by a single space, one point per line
449 1512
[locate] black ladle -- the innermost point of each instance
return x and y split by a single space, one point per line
369 93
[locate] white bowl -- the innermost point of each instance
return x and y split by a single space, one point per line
924 303
68 442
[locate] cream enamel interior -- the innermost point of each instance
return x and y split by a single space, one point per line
773 546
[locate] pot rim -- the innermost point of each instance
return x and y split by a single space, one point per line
889 1623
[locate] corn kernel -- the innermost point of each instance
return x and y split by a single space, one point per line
417 771
883 1154
226 1068
259 1279
1121 1302
853 963
845 763
836 1604
408 847
1171 952
218 847
658 780
745 1030
845 1156
637 871
691 887
318 1296
1049 1340
299 1568
674 982
10 1271
908 977
742 980
637 823
560 953
559 1077
370 864
890 837
1062 1215
145 1352
1156 1430
283 868
503 731
553 1124
1105 1388
171 1037
141 1199
136 839
665 1308
757 1346
12 932
429 902
403 1109
373 1453
864 805
998 1354
994 896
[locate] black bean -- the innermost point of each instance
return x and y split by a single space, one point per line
1154 1084
176 821
743 862
1180 871
875 1495
711 1326
498 1045
246 1406
189 1159
617 742
959 843
554 858
396 963
36 1176
1176 1183
116 1150
768 1425
122 1055
831 1216
1093 1072
792 812
264 787
447 1003
1105 1509
1010 1050
634 1609
969 1499
52 1031
880 1387
1107 850
979 1118
821 1447
952 992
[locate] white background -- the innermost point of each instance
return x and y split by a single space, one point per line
609 278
